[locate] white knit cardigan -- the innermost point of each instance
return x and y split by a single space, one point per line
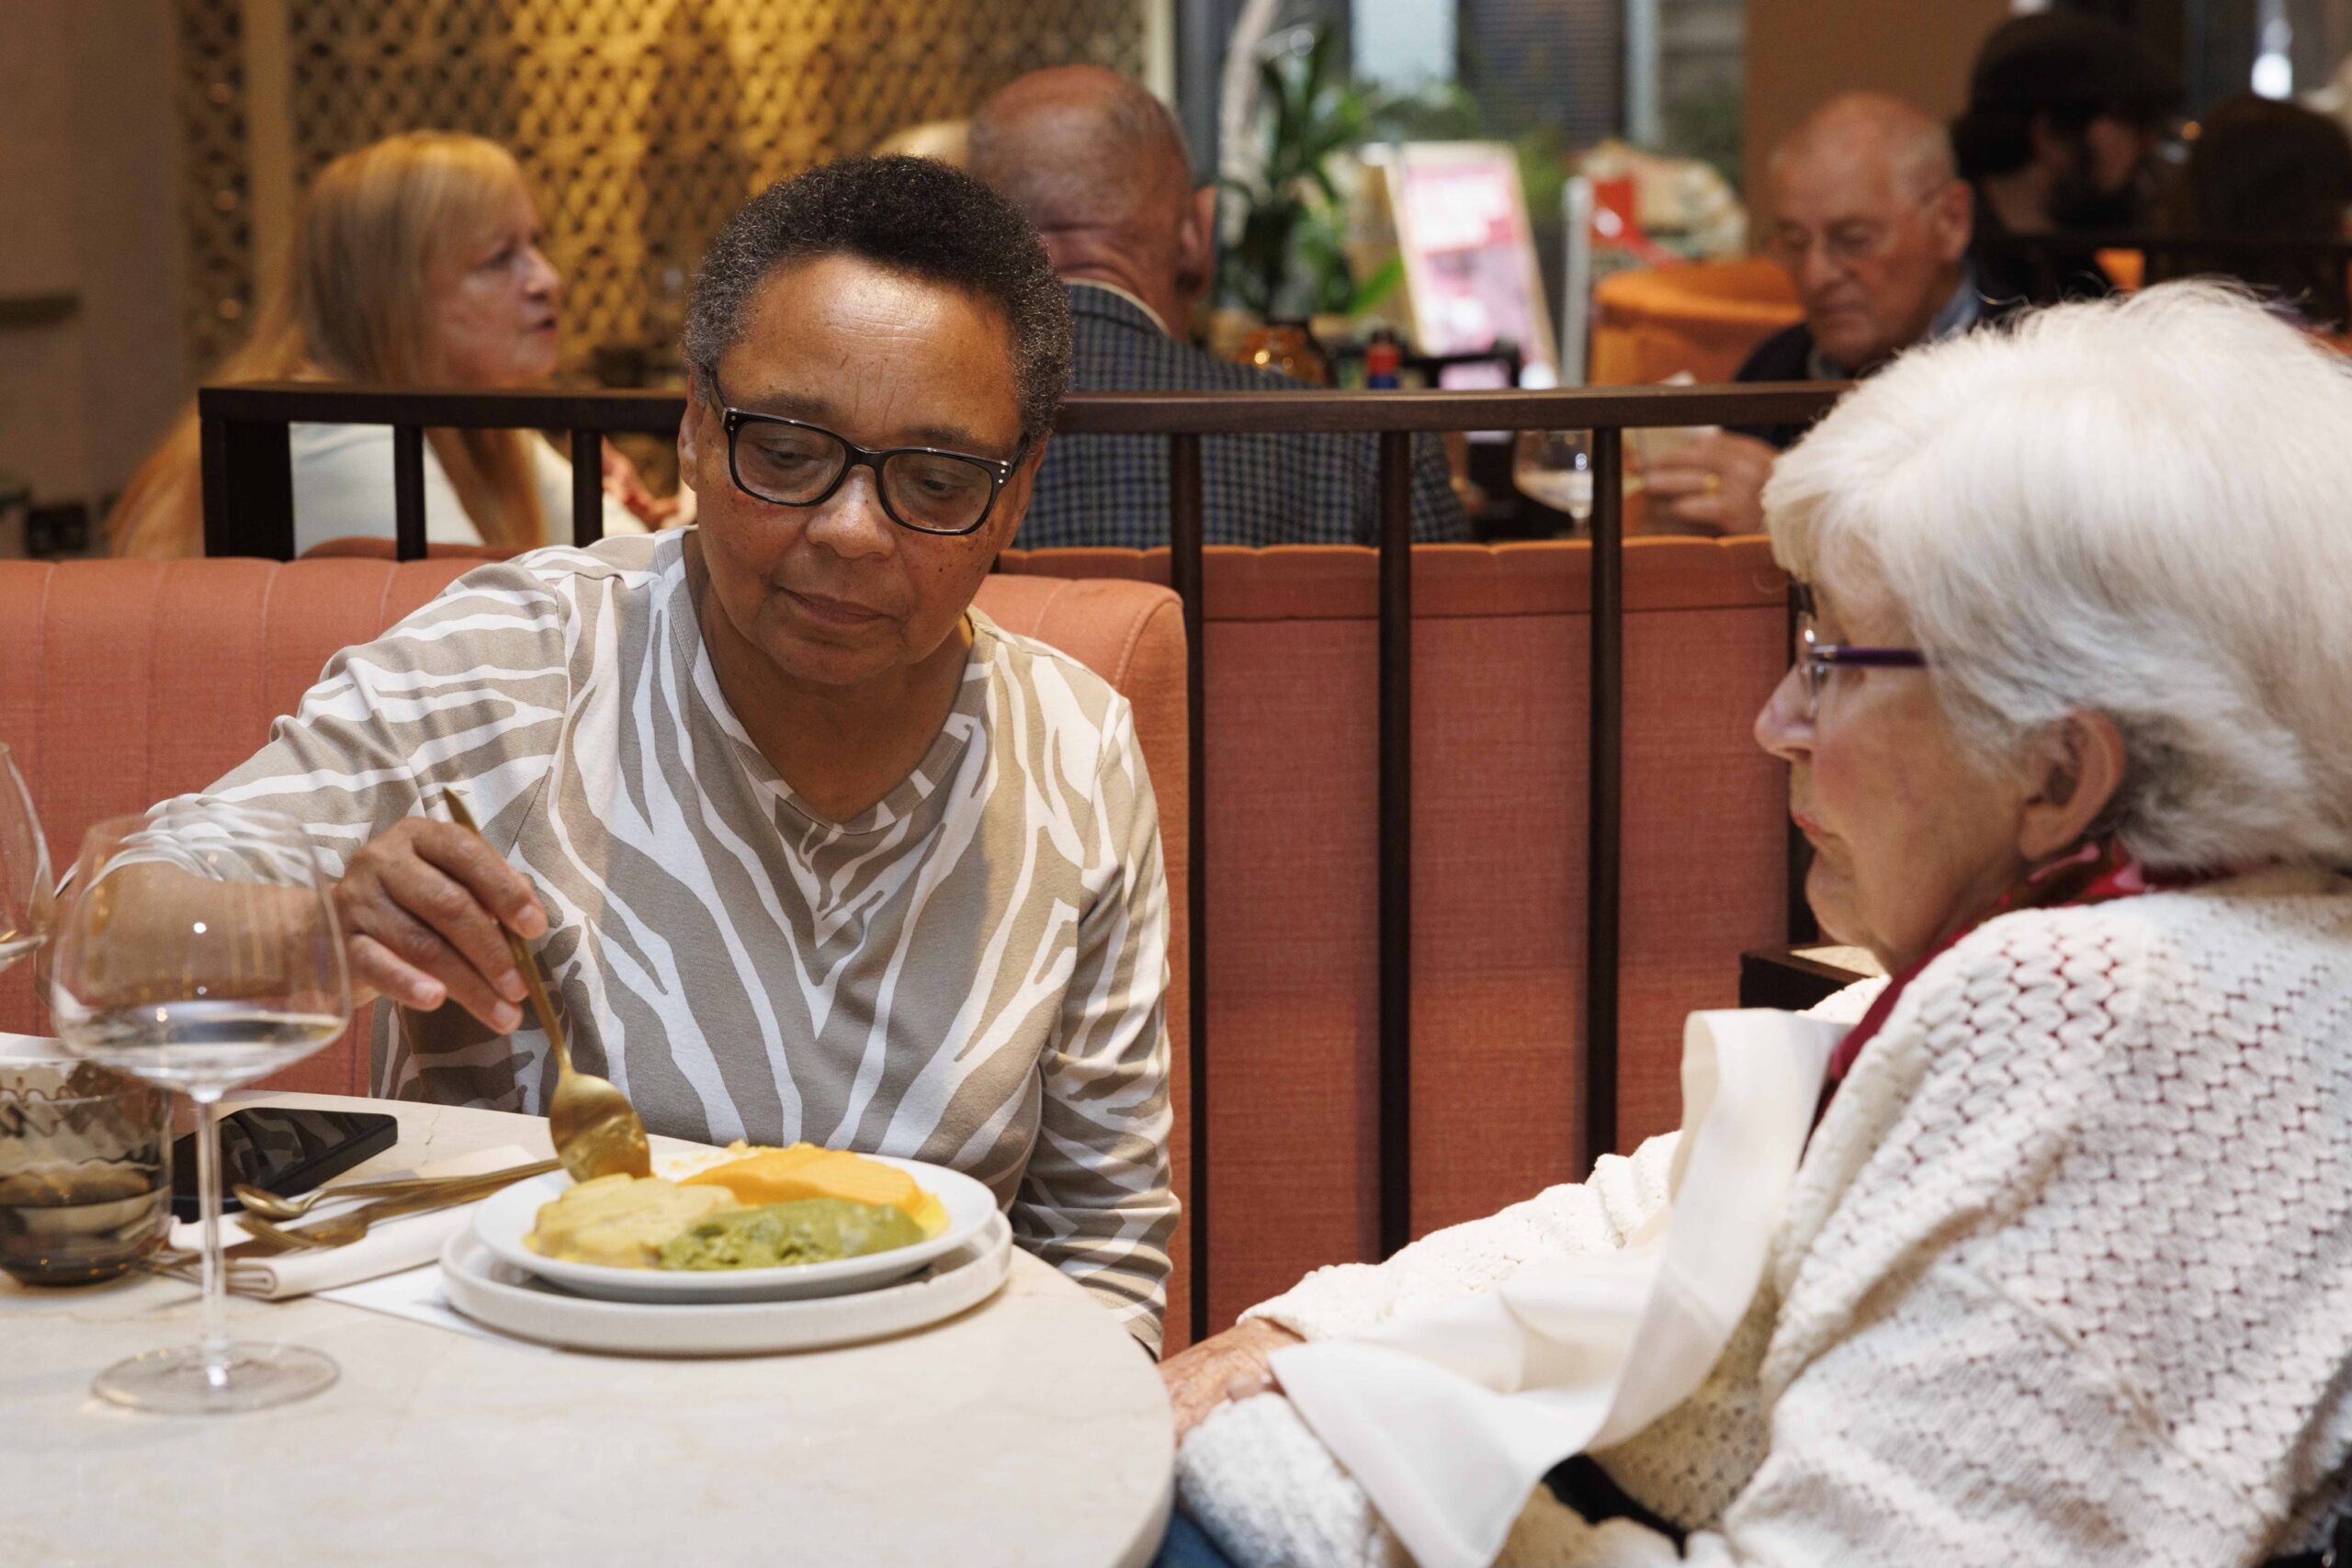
2066 1278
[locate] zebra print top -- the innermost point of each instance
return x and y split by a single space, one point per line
971 972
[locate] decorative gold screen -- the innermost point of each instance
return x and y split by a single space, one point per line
641 123
215 185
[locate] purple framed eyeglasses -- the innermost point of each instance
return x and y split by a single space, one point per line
1817 659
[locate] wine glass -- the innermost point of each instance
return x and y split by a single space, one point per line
26 891
1554 468
201 951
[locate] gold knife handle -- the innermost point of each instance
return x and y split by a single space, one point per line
404 1186
448 1191
460 1190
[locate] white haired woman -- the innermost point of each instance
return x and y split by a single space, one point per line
2064 1274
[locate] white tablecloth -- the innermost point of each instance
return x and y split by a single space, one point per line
1030 1430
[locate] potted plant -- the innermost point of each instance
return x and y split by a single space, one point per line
1285 259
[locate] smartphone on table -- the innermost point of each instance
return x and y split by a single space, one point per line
283 1150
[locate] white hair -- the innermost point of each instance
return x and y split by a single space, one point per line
2139 507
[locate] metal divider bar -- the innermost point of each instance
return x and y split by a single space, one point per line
408 493
1185 539
1604 793
1396 839
246 469
1803 928
587 487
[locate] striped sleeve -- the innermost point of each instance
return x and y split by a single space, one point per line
1096 1200
472 689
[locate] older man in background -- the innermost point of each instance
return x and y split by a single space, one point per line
1872 223
1099 167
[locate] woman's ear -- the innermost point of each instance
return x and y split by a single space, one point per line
1951 215
1195 250
2080 763
688 419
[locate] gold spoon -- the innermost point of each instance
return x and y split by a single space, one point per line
270 1206
594 1129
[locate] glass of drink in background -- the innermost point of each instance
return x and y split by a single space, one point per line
1553 467
201 951
26 892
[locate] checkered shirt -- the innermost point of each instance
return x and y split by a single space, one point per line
1312 489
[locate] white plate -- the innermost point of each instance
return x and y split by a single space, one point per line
506 1217
495 1293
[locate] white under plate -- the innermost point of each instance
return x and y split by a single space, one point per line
505 1217
514 1300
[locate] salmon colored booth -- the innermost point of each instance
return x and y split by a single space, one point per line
126 682
1501 637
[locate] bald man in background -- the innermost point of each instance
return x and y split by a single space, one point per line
1871 222
1099 166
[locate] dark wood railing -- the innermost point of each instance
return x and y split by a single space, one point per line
249 510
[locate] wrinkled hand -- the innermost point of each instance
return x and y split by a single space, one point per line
624 484
421 905
1712 485
1231 1365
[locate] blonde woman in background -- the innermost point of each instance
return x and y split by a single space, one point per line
416 262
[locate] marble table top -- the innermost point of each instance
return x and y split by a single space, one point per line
1030 1430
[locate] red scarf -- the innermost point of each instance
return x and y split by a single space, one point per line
2095 874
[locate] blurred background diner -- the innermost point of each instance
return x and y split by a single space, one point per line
416 262
1099 166
2067 114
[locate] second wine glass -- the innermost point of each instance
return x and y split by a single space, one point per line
201 951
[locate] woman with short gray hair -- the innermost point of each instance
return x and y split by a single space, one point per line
2064 1273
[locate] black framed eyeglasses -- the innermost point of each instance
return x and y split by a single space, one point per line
1817 659
791 462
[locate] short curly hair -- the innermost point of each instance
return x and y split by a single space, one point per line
906 214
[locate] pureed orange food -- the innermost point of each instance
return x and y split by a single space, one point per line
804 1171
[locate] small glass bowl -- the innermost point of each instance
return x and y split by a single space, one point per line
85 1170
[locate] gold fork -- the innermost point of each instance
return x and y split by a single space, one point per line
596 1132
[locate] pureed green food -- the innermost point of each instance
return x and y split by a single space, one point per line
808 1230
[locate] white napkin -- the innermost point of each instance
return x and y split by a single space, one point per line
1449 1418
390 1246
32 1048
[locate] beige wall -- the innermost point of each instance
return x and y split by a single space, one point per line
1801 52
88 194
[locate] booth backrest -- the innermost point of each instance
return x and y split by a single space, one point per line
1501 639
123 682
